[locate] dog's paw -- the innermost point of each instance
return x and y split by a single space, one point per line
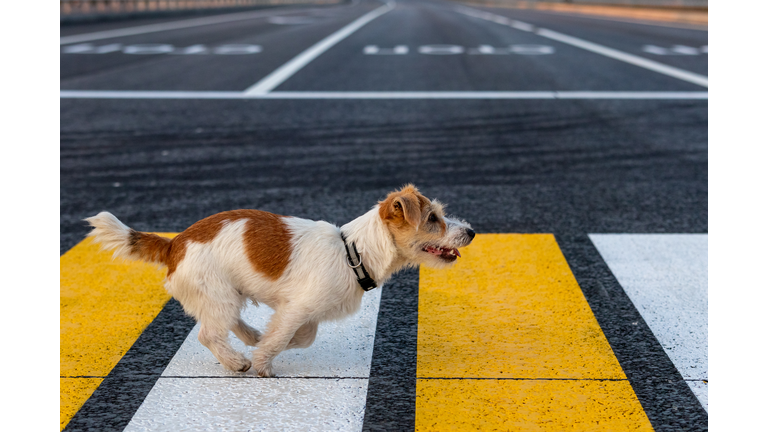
266 373
238 365
264 369
245 366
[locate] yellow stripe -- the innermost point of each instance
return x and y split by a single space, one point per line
511 308
73 394
105 305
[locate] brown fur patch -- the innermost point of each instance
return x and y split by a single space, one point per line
267 240
268 244
404 206
150 247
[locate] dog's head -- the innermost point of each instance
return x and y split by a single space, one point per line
422 233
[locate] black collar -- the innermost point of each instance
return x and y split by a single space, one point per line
355 262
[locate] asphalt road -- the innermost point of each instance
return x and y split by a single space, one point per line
563 166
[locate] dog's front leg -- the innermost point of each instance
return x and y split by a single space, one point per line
280 331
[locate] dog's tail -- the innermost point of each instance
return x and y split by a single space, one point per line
127 243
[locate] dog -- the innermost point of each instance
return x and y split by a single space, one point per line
307 271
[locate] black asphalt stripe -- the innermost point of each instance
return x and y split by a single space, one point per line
391 400
114 403
665 396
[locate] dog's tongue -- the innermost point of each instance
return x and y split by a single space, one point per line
445 252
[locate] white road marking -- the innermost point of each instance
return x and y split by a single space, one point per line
149 48
532 49
685 50
675 50
231 49
657 50
77 49
603 50
145 49
665 276
291 20
191 50
215 404
130 94
104 49
488 50
626 57
441 49
375 50
522 26
287 70
323 387
175 25
154 49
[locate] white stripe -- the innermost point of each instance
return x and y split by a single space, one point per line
601 49
175 25
109 94
291 405
287 70
665 276
342 349
322 387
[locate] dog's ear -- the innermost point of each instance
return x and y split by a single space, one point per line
404 205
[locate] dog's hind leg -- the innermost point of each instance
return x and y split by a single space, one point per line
282 328
217 341
249 335
304 336
217 308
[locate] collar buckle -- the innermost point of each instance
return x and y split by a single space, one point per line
363 278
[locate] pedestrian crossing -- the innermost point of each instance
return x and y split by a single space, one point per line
506 340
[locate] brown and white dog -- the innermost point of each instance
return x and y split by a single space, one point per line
298 267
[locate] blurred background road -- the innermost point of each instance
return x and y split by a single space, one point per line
522 120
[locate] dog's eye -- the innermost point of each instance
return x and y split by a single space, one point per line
433 217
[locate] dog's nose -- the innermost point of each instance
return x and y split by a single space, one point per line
471 234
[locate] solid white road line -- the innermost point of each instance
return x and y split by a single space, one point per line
598 49
287 70
175 25
323 386
665 276
626 57
108 94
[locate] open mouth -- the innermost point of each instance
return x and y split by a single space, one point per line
447 254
